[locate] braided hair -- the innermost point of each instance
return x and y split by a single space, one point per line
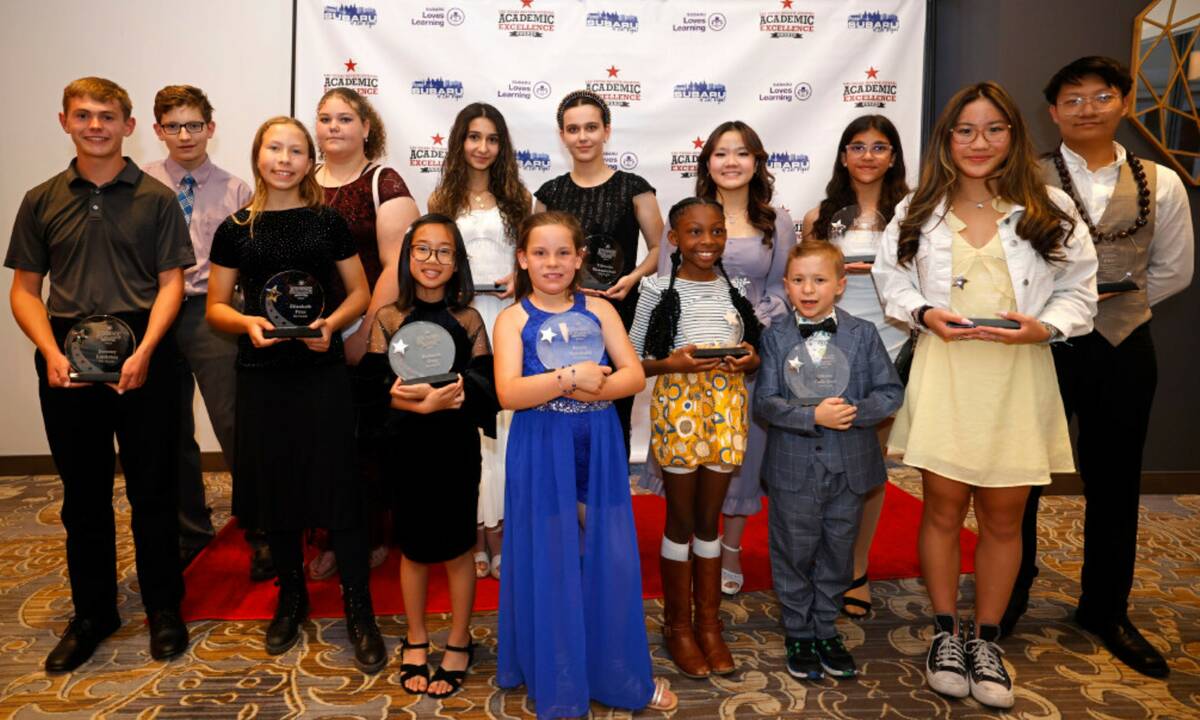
664 318
576 98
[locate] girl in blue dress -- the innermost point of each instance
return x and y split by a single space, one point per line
572 627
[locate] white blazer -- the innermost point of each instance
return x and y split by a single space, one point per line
1062 294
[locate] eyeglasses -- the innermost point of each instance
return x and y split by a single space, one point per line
192 127
876 150
443 255
966 134
1099 102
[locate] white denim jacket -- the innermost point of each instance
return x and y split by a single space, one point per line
1061 294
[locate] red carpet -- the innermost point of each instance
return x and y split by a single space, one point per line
219 586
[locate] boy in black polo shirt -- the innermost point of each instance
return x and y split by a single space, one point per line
114 242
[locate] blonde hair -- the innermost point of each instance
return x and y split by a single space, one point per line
311 194
817 248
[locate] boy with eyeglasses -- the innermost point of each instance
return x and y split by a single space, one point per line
207 195
1138 216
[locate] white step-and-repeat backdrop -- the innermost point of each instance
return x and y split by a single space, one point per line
796 70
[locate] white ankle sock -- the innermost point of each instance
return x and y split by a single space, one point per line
706 548
673 550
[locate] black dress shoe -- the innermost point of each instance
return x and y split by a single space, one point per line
1127 645
78 643
168 634
261 565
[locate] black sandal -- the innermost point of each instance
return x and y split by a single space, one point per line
851 602
408 671
453 678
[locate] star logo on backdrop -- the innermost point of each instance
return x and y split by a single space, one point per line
400 346
548 335
787 4
698 143
613 70
350 65
872 73
526 3
795 364
437 139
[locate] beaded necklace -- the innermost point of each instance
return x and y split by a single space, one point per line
1139 176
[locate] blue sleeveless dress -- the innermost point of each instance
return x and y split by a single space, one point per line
572 625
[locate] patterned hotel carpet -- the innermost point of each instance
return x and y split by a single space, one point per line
1061 671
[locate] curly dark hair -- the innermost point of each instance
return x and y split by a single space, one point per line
664 318
450 196
762 184
375 145
839 193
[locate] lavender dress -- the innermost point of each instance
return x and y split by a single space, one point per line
763 266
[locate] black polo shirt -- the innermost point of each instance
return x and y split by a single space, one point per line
102 247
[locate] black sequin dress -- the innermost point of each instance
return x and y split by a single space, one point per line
293 454
606 209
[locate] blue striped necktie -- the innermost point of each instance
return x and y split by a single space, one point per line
187 197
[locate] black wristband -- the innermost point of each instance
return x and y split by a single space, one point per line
919 315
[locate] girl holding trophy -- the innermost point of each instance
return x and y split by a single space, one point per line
697 332
295 422
436 344
572 627
992 266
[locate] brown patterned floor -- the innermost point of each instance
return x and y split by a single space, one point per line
1060 671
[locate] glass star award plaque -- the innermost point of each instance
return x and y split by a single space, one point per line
603 263
422 352
98 347
856 233
568 338
1116 260
722 337
292 300
824 373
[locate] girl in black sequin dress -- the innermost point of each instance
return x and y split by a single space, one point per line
294 428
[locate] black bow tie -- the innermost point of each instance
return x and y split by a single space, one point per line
826 325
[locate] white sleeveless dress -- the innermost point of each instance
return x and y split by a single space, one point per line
491 257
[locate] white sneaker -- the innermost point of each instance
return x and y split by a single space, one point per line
945 664
990 683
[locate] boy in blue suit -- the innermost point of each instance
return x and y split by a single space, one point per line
821 458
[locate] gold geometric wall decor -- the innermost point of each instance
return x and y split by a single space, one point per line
1166 74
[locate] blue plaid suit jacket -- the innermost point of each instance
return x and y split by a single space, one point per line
794 441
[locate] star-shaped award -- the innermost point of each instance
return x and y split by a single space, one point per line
732 318
400 346
795 364
272 294
837 227
548 335
959 282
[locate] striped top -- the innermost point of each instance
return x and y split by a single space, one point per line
707 316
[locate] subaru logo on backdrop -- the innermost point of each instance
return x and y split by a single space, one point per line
616 21
874 21
531 160
438 87
787 162
438 16
786 92
352 13
699 22
702 91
